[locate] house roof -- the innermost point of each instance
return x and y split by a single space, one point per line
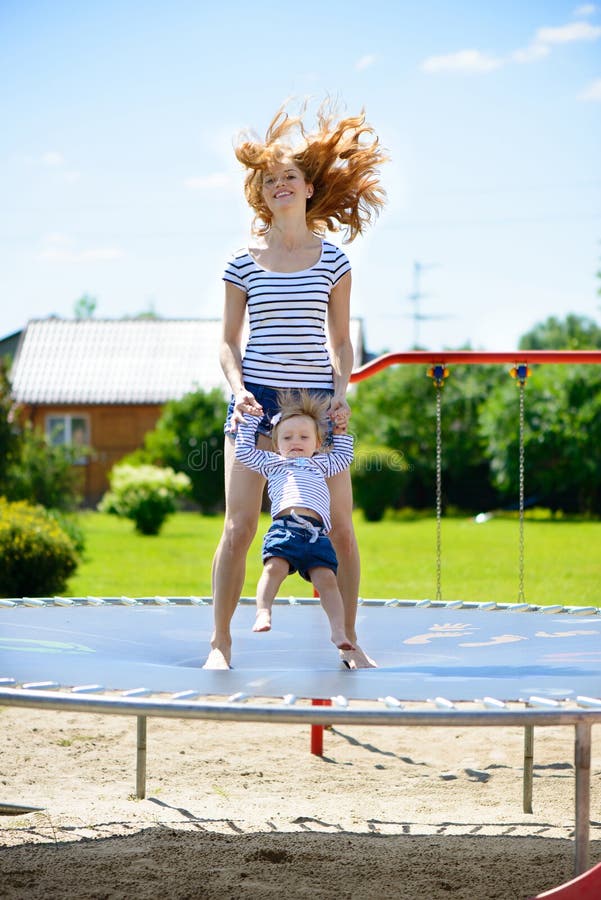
125 361
8 345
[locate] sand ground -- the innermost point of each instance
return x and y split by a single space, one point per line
241 811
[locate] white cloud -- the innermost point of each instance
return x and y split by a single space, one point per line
540 47
587 9
567 34
209 182
463 61
592 91
532 53
365 62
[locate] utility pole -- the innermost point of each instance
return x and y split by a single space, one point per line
416 296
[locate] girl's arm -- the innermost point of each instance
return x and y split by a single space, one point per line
339 458
246 449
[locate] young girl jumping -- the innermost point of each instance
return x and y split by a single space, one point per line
300 502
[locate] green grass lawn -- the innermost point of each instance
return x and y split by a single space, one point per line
479 562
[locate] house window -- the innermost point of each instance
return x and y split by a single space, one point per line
72 431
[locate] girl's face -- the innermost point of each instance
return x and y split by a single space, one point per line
284 186
297 436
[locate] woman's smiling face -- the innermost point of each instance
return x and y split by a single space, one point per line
283 185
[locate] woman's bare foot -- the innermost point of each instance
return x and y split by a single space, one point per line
340 639
220 654
356 658
263 621
216 660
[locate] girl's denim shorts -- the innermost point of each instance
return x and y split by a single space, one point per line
268 398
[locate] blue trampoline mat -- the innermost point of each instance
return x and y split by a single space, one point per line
422 652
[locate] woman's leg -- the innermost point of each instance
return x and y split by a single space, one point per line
343 538
243 495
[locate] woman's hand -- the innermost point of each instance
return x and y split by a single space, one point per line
340 411
244 405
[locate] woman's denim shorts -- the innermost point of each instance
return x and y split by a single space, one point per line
268 398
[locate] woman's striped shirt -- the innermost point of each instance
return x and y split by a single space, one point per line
287 319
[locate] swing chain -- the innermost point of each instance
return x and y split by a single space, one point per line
520 373
521 595
438 492
438 373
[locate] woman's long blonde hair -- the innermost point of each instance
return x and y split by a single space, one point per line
340 159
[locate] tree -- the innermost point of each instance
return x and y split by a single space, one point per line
397 409
574 333
85 307
10 442
562 436
31 468
562 422
188 437
44 474
149 314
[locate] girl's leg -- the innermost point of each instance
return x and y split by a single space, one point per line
325 582
343 538
243 495
274 572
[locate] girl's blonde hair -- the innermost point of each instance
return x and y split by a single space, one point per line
340 159
299 402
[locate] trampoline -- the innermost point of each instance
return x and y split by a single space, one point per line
456 664
440 663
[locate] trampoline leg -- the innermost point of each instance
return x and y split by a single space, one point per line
582 764
141 759
528 768
317 730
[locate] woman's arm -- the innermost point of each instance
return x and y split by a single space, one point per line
230 354
341 348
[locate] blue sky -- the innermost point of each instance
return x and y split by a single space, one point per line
118 178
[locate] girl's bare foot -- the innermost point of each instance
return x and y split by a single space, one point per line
263 621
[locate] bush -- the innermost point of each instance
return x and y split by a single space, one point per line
36 556
44 474
146 494
379 476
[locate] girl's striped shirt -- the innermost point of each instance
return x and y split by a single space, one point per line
287 314
298 481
